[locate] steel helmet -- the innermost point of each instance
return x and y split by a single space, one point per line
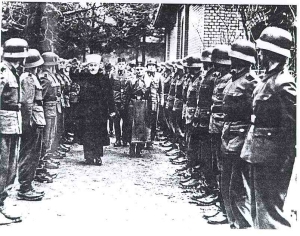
15 48
206 54
220 55
50 59
34 59
276 40
244 50
192 61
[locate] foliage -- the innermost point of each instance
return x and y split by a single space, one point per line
71 29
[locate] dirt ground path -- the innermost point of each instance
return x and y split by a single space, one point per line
125 196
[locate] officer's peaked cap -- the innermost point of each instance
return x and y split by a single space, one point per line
192 61
220 55
151 61
15 48
34 59
243 50
206 54
50 59
276 40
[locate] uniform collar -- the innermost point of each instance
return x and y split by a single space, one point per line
240 73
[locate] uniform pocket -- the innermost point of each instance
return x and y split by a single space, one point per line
9 122
50 109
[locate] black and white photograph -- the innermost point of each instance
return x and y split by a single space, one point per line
148 118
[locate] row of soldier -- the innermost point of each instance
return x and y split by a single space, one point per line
216 118
233 132
36 120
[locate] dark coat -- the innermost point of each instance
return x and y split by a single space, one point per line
95 105
271 138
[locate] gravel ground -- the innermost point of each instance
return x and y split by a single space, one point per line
125 196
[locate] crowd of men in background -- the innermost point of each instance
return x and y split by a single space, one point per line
231 132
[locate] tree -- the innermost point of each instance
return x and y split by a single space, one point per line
70 29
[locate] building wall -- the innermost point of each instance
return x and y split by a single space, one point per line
203 26
222 25
196 29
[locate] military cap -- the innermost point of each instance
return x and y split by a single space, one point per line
276 40
243 50
50 59
34 59
15 48
192 61
139 64
151 61
93 58
220 55
206 54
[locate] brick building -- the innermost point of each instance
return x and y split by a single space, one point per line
191 28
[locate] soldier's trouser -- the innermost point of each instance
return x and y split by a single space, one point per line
153 120
206 159
74 126
167 122
68 121
236 201
48 135
240 196
179 128
216 152
269 184
30 153
60 129
193 147
123 114
9 154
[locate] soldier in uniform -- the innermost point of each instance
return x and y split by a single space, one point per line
237 108
222 63
121 86
14 52
194 64
33 122
177 109
139 114
169 107
270 143
95 106
51 104
153 83
167 74
201 122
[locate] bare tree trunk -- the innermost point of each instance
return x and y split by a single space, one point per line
144 50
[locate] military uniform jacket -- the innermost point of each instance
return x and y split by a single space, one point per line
153 84
10 96
192 96
120 82
217 117
178 101
171 94
205 101
272 135
31 100
184 93
51 89
237 109
166 87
